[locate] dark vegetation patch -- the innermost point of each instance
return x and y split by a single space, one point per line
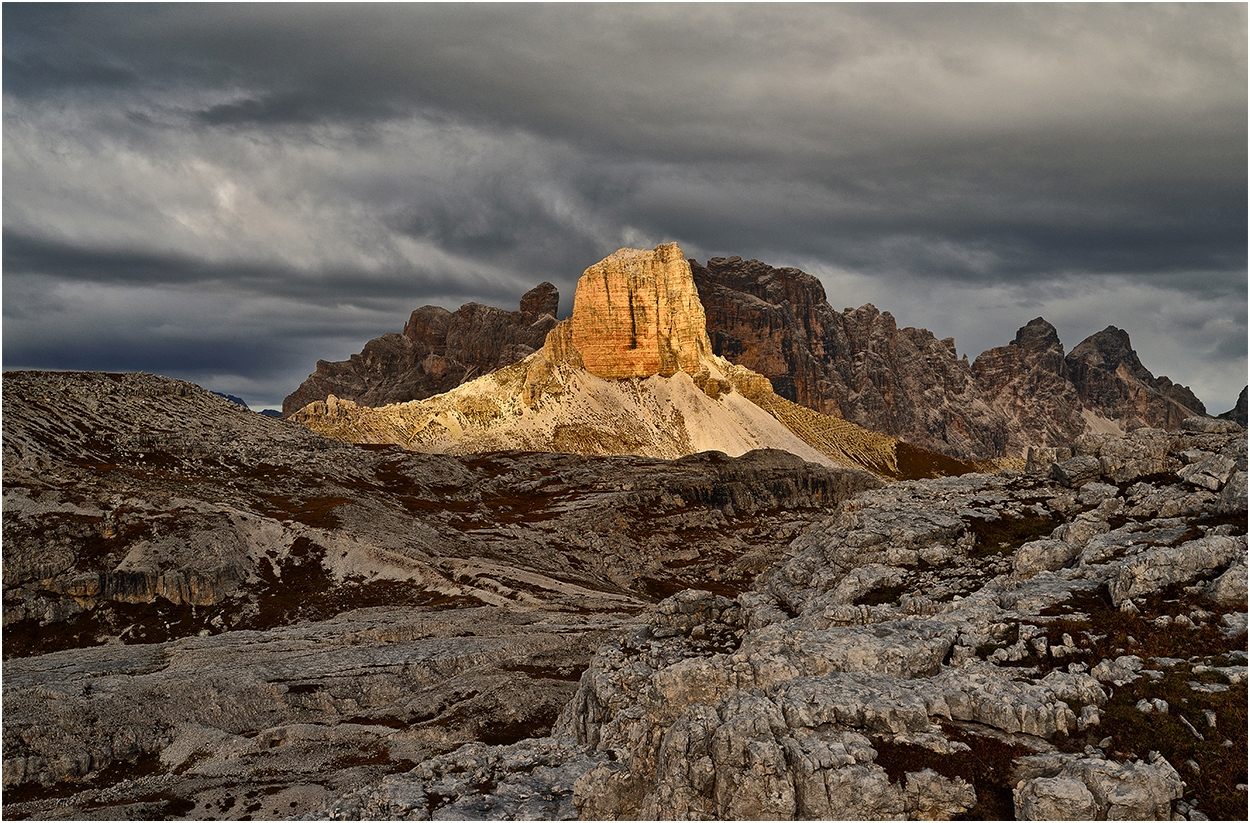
154 622
1236 520
398 486
1103 632
156 806
881 595
1108 632
915 463
317 512
371 753
987 767
571 673
143 765
1004 535
303 590
656 589
1135 734
507 732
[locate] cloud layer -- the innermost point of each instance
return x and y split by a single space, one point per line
227 193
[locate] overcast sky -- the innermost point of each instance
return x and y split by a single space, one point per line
228 193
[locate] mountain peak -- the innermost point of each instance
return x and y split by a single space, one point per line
1038 335
637 313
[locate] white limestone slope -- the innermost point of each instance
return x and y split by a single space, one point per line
665 417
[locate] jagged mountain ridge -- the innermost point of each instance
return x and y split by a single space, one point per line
858 365
437 351
907 383
631 372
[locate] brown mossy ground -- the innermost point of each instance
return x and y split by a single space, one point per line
916 463
1102 632
987 766
1003 535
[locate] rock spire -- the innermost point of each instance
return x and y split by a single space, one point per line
637 313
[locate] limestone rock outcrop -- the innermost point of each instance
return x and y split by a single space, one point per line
859 365
856 364
631 372
910 660
209 613
529 635
636 314
437 351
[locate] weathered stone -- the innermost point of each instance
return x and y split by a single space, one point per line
1229 589
1210 425
1054 798
1233 495
637 313
1076 471
895 623
1211 473
1039 458
1121 671
1161 567
1043 555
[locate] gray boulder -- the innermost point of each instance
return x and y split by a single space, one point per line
1211 473
1076 471
1210 425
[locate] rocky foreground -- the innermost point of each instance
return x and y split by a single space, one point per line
211 614
1066 643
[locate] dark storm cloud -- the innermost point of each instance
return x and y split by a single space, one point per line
1060 159
24 255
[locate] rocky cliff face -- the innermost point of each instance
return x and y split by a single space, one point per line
634 318
1112 383
631 372
437 351
1237 413
855 364
1026 382
635 314
859 365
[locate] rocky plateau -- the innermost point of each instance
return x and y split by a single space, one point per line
258 618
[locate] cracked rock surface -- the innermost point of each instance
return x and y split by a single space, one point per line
211 614
905 662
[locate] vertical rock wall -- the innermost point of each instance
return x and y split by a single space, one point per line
637 313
